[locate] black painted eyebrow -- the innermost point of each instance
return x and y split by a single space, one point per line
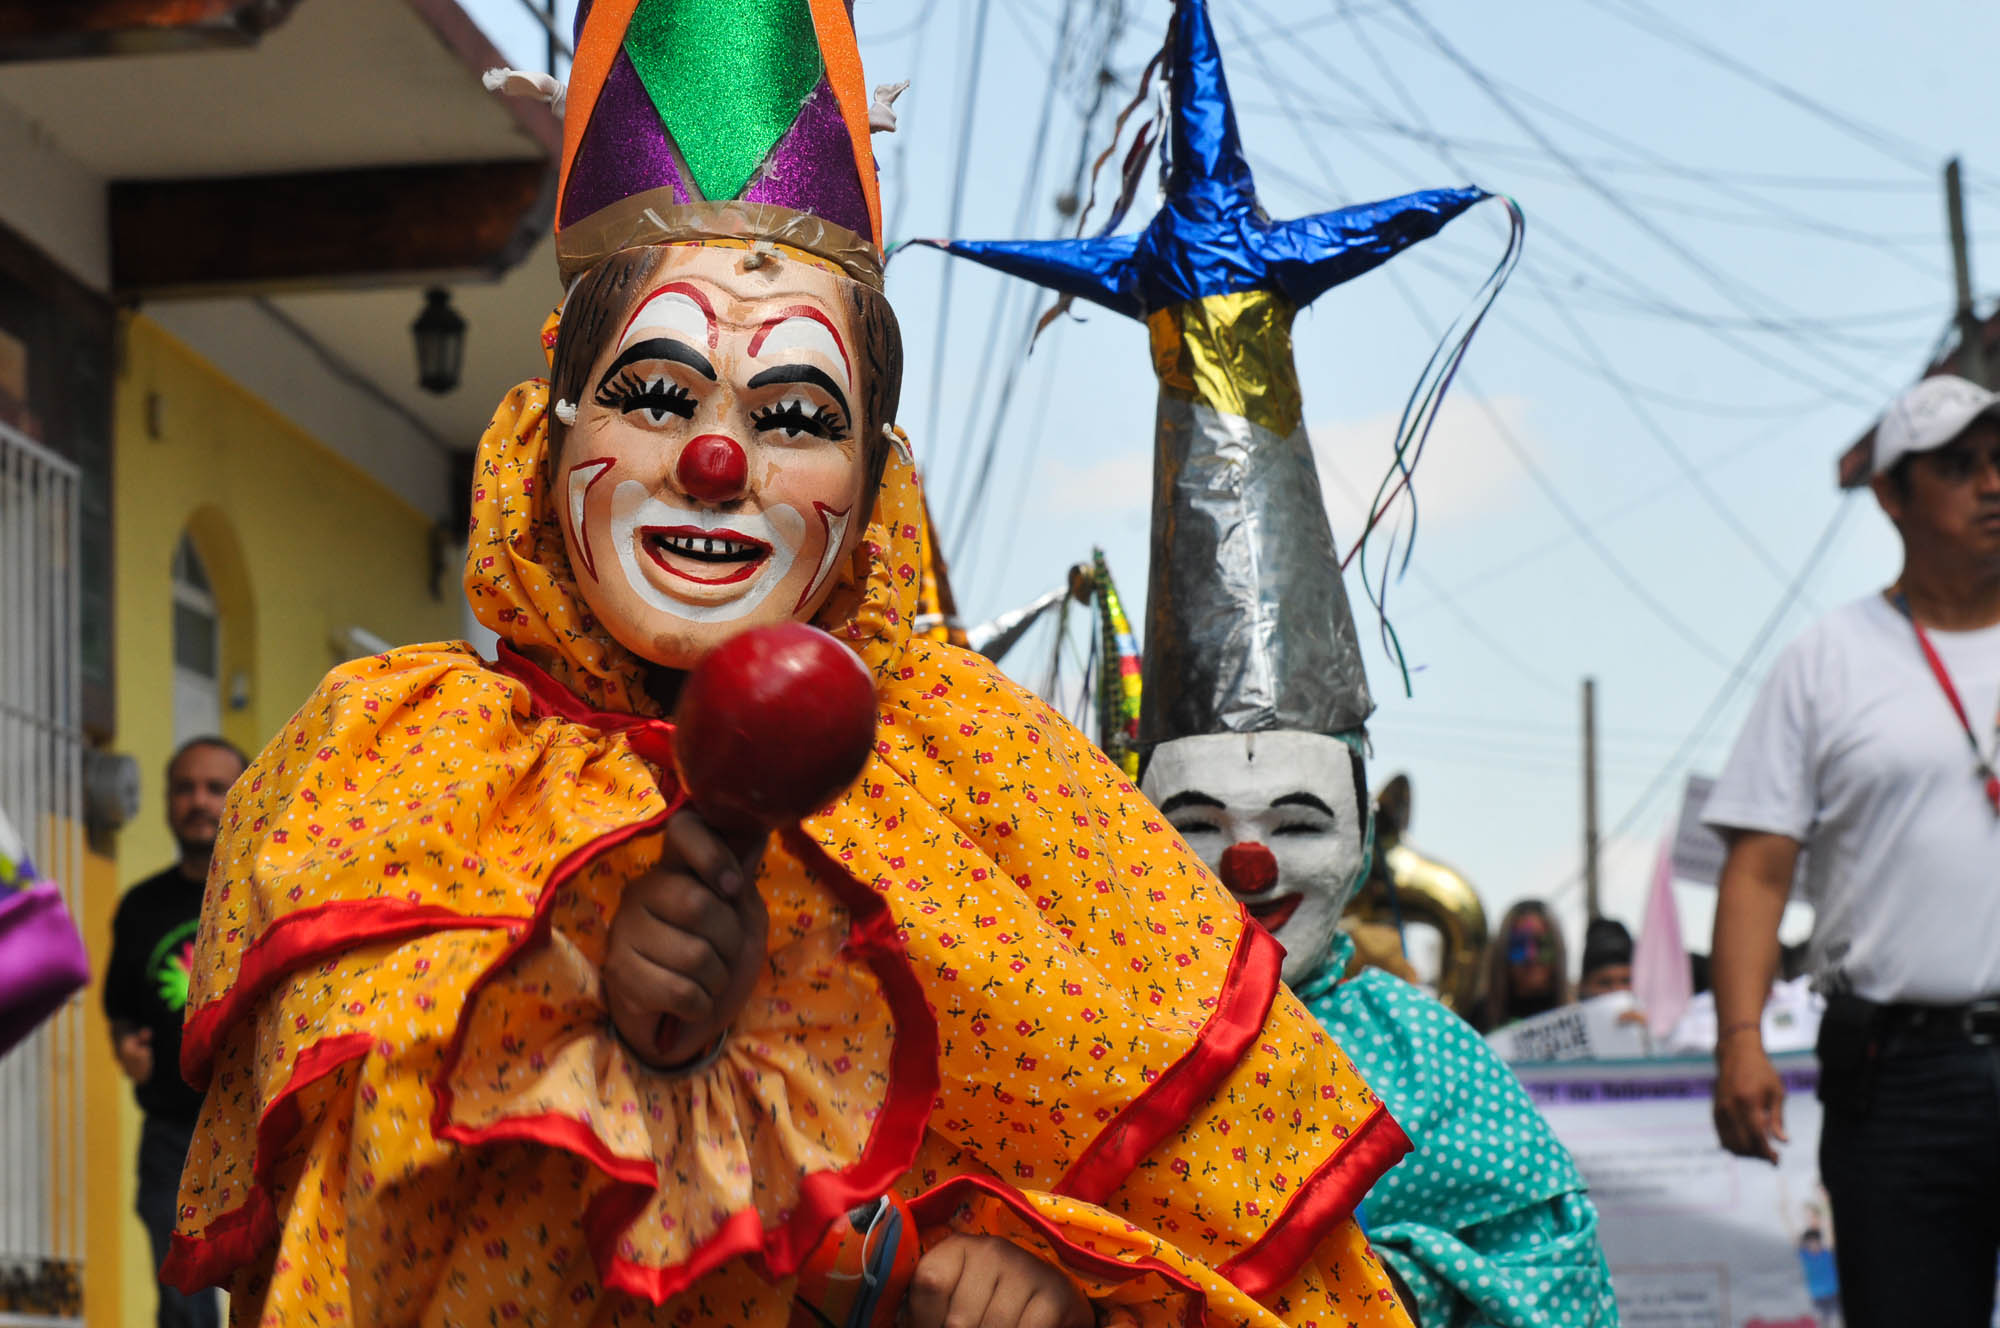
660 348
1304 800
1189 799
802 373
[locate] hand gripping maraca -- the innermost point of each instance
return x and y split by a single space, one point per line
770 727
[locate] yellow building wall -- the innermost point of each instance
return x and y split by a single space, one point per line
299 545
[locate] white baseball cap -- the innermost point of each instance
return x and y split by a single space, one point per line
1927 417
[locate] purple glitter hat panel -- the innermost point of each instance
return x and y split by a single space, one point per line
812 168
625 151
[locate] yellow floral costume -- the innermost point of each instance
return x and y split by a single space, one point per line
998 983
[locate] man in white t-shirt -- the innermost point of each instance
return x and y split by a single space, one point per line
1873 748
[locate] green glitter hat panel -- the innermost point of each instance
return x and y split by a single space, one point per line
728 77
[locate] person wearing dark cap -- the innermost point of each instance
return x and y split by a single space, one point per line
1607 959
1871 749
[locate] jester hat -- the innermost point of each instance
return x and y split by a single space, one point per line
1248 625
734 120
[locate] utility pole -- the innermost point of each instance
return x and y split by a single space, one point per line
1971 337
1590 902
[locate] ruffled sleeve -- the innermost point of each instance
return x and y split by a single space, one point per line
400 1020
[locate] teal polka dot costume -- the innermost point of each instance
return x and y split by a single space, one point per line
1486 1219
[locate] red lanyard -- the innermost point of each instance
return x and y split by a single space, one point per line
1943 676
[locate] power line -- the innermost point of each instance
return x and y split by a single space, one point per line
1656 165
1677 763
1653 493
1891 145
1738 294
1690 473
1007 294
1613 302
1036 432
1572 245
1647 422
1444 597
968 107
1762 213
922 29
1525 459
1805 221
914 26
973 513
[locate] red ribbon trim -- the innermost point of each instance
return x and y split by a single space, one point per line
241 1235
1248 990
1329 1196
936 1206
824 1196
298 939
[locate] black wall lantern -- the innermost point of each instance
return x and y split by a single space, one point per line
440 333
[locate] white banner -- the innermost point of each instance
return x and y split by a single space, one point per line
1698 850
1697 1238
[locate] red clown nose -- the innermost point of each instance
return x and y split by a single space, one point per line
1248 868
712 469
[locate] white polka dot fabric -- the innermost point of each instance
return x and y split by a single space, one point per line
1487 1219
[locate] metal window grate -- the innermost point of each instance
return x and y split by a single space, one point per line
41 788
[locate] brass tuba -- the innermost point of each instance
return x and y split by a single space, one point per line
1426 891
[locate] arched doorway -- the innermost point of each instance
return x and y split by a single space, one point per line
197 647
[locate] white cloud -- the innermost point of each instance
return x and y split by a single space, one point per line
1465 471
1122 483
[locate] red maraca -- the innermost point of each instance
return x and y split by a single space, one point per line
771 726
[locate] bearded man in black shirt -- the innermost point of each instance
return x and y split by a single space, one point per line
145 993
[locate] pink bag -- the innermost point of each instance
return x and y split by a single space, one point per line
42 959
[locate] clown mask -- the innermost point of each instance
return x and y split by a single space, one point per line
712 479
1279 818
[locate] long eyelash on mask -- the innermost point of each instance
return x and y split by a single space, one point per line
660 397
795 417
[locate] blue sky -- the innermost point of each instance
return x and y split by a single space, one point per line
1727 272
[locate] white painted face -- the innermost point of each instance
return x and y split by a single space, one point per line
1276 818
712 479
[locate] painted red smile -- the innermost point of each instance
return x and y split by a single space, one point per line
1272 914
736 556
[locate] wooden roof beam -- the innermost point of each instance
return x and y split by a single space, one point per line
69 29
390 225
